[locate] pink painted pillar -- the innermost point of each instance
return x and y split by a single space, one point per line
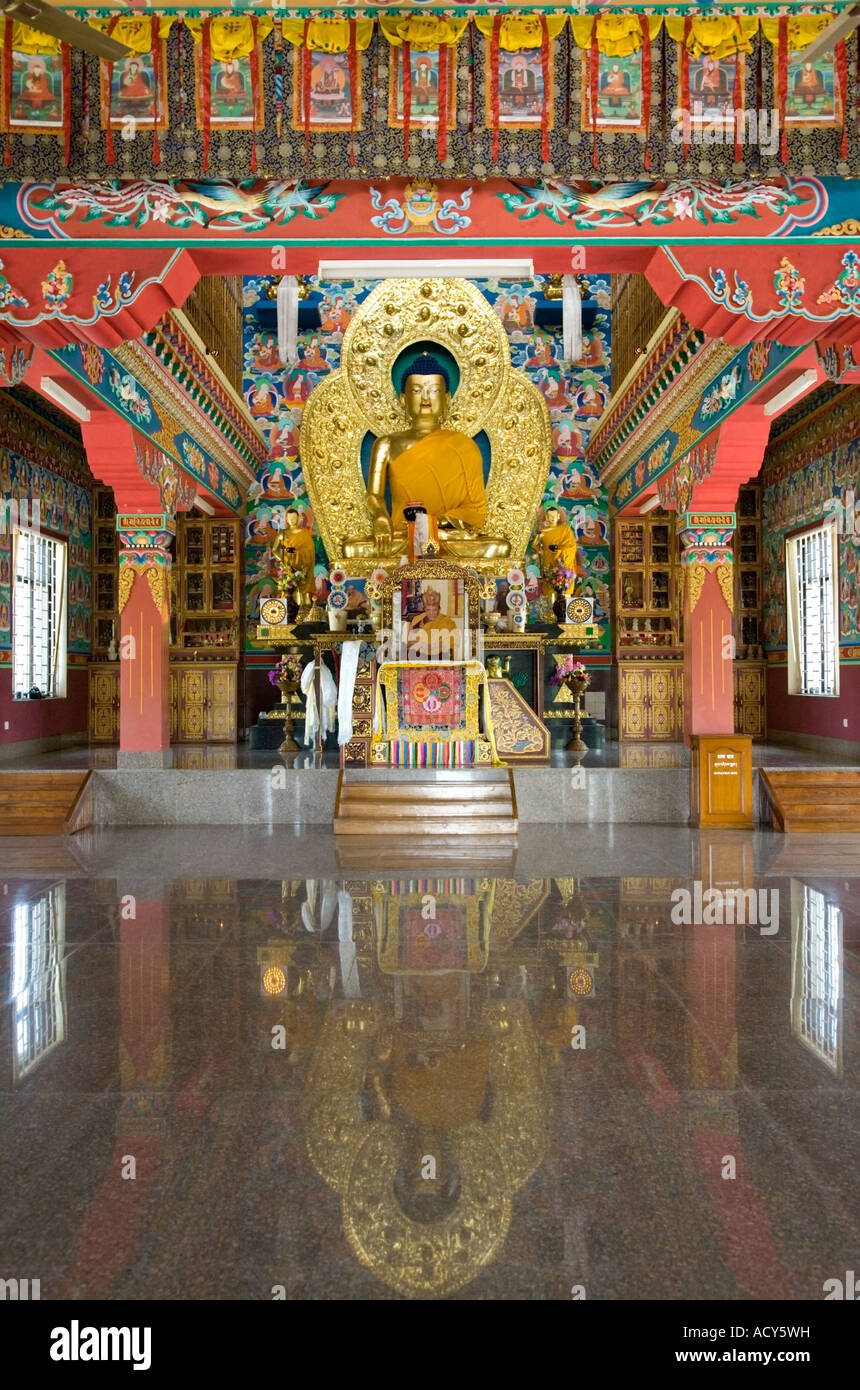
144 602
707 576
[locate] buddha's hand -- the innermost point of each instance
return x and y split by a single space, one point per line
382 533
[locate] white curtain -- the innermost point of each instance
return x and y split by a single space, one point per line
288 319
571 302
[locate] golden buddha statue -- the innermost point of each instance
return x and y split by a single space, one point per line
555 545
427 465
293 548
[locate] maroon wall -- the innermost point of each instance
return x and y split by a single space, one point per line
810 714
30 719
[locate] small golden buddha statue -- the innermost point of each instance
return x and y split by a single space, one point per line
438 469
556 545
294 549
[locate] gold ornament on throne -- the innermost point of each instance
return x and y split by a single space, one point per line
427 424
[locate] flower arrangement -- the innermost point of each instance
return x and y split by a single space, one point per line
569 670
287 579
564 580
289 668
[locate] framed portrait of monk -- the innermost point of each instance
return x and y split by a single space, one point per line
432 620
430 611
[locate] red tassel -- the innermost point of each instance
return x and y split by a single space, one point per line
494 87
685 85
206 90
842 77
67 103
544 115
353 65
254 85
407 96
7 86
442 105
738 105
782 83
109 150
306 92
646 85
180 63
593 74
156 74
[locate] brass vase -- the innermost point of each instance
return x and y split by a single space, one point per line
576 685
288 689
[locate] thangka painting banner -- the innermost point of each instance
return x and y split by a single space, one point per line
619 92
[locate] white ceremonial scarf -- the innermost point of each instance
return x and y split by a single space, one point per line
348 667
329 702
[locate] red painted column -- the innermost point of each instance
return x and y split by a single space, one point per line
707 576
144 603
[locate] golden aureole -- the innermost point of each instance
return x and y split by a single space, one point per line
424 437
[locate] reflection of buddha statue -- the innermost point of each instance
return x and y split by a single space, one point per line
556 545
427 465
294 546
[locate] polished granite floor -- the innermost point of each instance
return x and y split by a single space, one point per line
474 1081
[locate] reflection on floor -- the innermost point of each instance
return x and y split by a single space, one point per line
452 1083
225 757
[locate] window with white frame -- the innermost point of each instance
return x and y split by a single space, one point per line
812 568
39 614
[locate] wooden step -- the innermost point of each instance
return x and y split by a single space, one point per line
405 807
462 825
45 803
814 800
430 814
374 792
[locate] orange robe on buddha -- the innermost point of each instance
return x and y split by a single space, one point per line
444 472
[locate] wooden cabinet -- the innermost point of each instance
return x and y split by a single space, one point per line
105 619
202 702
747 556
651 700
750 703
647 583
206 583
104 702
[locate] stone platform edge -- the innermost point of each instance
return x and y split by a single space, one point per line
306 796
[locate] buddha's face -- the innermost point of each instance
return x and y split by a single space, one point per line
291 521
551 515
425 397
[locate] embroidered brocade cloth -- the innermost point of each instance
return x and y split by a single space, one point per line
432 699
433 702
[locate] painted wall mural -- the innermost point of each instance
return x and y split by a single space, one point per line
807 474
575 398
37 462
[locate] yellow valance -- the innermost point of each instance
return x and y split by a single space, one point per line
719 38
802 30
230 38
136 34
617 35
519 31
27 40
327 35
422 31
